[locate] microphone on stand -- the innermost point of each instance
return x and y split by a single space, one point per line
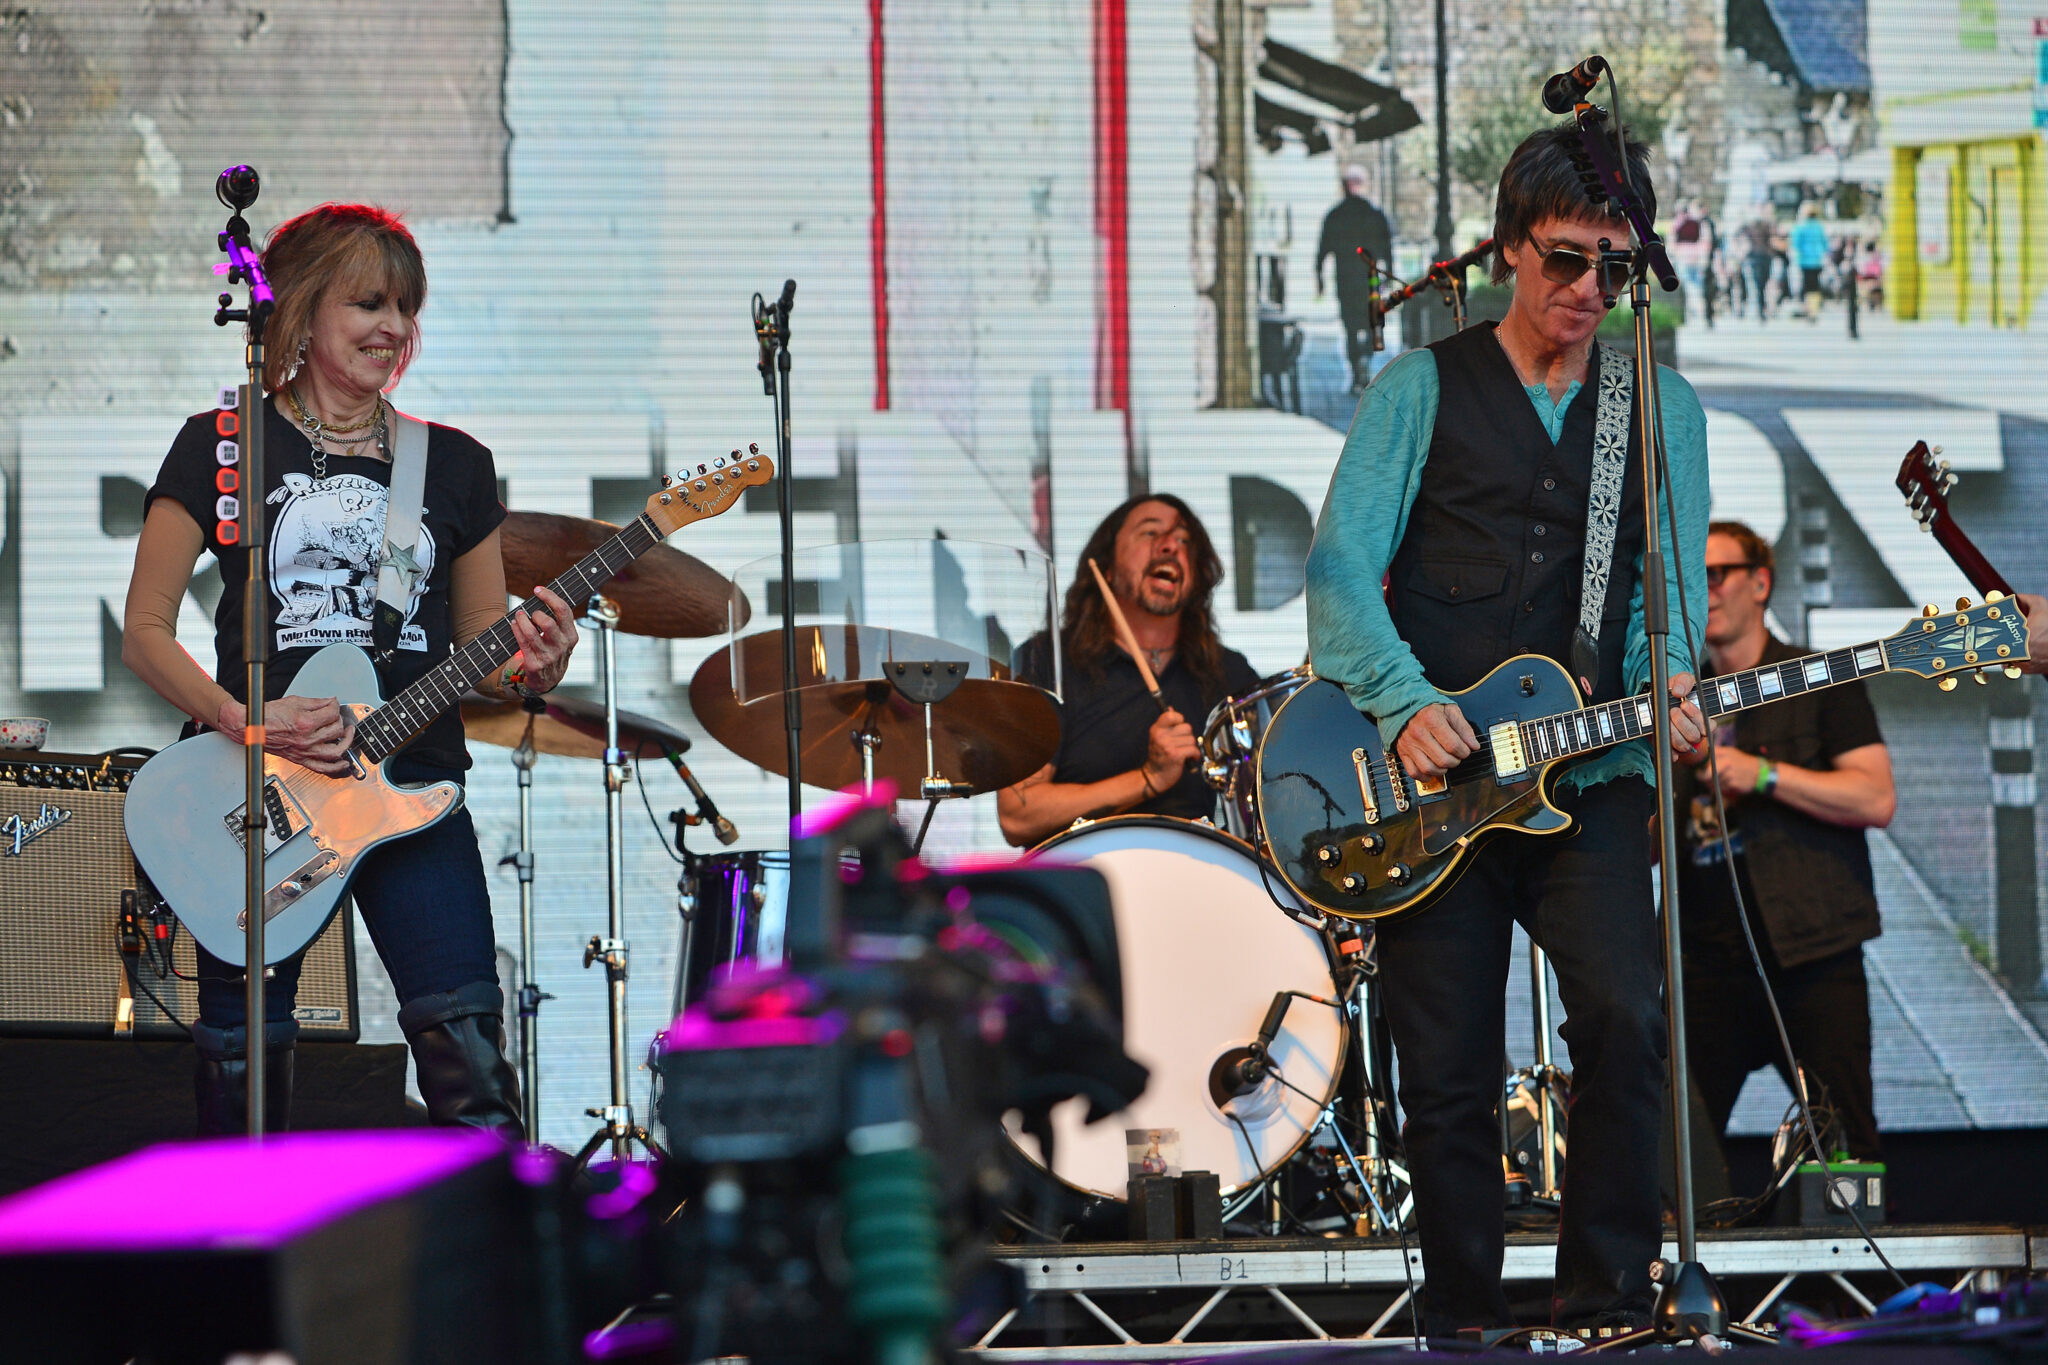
707 813
1431 276
1567 88
237 187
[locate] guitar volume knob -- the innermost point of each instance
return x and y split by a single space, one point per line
1329 855
1373 843
1399 874
1351 884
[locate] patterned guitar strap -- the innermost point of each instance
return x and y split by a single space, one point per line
397 569
1603 506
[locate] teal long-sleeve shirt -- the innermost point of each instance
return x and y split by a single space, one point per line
1351 637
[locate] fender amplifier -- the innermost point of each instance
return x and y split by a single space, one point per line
66 877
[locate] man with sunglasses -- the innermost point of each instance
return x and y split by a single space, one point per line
1800 780
1475 476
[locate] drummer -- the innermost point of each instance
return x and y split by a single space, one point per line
1119 753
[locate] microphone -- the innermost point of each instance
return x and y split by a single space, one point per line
1437 271
237 187
788 299
707 813
1567 88
1244 1075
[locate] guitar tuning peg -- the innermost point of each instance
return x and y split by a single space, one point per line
753 449
1925 524
2012 671
1994 596
1962 604
1947 682
1930 610
1948 483
1937 450
1979 678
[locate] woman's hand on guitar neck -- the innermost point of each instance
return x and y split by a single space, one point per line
1435 740
309 731
1688 726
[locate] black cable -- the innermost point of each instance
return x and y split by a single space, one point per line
659 837
1735 883
135 982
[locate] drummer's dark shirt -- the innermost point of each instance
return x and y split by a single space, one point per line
1106 715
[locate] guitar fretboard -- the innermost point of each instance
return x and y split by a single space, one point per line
1615 722
384 731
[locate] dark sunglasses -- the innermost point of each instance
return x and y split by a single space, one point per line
1717 572
1564 264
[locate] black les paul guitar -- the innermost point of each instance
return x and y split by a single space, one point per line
1355 835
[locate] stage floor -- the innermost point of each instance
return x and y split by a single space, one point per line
1170 1300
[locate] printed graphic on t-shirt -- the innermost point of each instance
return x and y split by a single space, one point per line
324 546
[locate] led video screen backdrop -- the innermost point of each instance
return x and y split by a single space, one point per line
1048 252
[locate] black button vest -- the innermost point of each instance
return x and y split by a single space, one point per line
1490 563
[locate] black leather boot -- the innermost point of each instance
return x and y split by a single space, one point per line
458 1049
220 1084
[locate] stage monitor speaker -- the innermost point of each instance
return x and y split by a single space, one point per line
64 867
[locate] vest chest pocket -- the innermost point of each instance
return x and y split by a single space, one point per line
1458 581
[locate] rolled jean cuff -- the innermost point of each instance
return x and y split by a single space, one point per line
478 997
232 1044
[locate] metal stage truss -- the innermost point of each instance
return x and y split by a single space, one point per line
1169 1300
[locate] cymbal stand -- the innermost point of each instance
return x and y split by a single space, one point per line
1545 1082
867 738
1380 1173
928 682
530 995
611 949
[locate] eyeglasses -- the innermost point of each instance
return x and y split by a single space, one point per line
1717 572
1564 264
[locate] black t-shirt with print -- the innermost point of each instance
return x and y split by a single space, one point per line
325 540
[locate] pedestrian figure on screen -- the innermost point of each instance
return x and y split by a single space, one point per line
1355 225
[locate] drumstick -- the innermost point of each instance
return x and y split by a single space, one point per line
1123 632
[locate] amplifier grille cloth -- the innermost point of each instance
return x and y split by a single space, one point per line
60 958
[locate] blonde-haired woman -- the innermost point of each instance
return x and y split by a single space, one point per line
349 282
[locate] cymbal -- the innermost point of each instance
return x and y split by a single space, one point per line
663 593
991 732
569 726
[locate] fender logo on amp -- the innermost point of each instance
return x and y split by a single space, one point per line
17 831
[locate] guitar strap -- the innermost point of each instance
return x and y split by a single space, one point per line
1603 506
398 570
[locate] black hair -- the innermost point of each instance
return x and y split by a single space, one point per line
1541 181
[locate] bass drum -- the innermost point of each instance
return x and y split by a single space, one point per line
1230 746
1204 951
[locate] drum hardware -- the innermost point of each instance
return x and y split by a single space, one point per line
611 949
1543 1091
664 593
991 732
530 995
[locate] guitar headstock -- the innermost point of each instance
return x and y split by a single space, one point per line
698 493
1925 480
1945 644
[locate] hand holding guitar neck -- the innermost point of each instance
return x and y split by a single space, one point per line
1123 633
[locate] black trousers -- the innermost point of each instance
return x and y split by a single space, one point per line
1826 1005
1586 900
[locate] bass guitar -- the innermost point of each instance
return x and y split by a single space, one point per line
184 810
1354 834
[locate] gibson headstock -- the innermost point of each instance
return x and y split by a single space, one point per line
1926 479
1971 639
698 493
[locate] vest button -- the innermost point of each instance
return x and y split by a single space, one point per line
1528 607
1541 529
1536 557
1550 485
1455 589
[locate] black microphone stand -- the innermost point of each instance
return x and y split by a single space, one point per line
771 329
237 188
1689 1302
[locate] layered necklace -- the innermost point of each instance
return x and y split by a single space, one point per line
319 434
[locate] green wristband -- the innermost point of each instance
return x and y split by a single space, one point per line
1766 777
